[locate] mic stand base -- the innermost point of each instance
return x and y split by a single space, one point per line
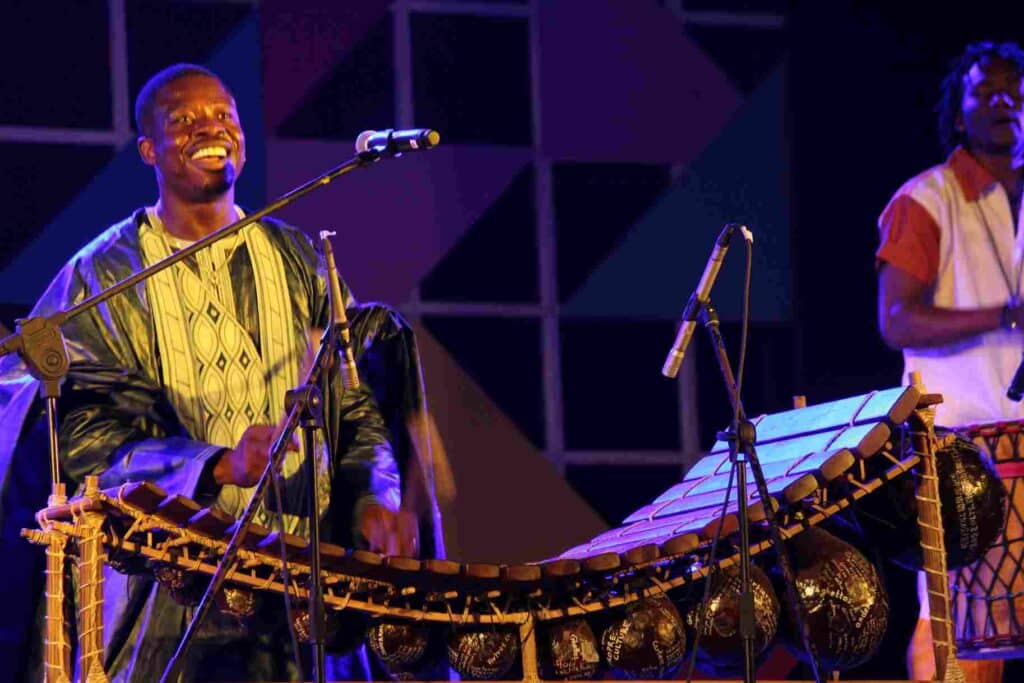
742 437
296 414
310 405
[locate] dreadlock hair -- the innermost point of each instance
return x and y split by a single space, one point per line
952 90
146 101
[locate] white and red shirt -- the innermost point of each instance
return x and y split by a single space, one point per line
951 228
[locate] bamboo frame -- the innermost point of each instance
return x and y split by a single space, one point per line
933 545
410 595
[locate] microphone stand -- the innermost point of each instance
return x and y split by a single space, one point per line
305 410
43 332
40 343
742 436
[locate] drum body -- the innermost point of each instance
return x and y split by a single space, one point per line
988 596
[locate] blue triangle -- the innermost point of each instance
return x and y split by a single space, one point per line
741 176
125 183
239 62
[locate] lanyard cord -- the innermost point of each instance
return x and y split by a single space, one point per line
1014 293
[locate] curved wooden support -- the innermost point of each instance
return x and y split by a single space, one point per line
933 545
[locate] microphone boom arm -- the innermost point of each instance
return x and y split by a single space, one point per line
14 341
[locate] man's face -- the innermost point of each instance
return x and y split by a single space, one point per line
196 143
991 114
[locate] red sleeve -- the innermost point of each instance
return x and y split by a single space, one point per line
910 239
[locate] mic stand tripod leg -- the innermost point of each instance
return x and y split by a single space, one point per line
746 597
742 437
311 419
230 554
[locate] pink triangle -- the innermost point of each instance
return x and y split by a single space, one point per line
303 41
506 488
396 220
620 81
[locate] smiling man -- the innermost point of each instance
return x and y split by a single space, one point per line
191 135
950 263
181 380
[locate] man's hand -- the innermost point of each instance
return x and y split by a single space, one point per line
243 465
390 533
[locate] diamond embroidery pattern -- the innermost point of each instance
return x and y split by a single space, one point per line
233 393
220 380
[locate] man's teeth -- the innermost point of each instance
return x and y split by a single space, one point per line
204 152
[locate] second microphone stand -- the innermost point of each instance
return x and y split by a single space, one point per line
742 436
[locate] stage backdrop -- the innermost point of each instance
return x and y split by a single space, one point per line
591 153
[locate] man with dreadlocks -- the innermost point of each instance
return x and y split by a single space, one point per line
950 260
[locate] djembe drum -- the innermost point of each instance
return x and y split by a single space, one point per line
988 596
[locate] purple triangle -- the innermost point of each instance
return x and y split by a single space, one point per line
397 219
621 82
302 42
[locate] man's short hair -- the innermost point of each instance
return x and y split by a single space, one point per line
146 101
952 94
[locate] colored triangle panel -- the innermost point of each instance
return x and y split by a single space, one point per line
234 61
125 184
117 190
162 33
741 177
356 95
596 206
496 260
34 189
762 51
507 490
57 59
622 82
396 220
471 77
484 346
302 43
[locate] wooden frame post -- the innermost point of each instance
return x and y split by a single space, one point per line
91 560
933 545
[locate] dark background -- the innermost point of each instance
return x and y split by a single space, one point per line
594 146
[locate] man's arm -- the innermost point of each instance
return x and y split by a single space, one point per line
366 486
368 473
116 425
907 319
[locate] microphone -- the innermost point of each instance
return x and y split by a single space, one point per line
700 298
349 374
1016 389
393 142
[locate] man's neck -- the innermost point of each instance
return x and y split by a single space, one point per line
193 221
